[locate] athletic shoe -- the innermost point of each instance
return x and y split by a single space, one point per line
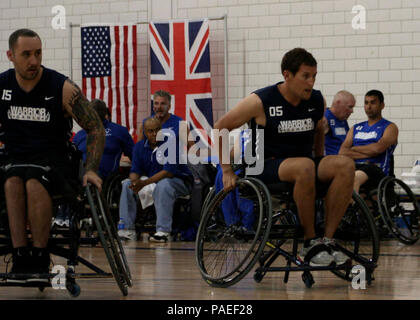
160 237
321 259
127 234
21 266
40 266
58 222
339 256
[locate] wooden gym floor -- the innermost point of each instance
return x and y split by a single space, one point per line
169 271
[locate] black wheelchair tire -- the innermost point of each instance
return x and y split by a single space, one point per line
387 214
108 238
258 242
365 217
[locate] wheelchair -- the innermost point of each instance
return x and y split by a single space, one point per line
65 242
395 208
228 247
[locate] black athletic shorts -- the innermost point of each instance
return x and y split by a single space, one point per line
53 170
270 174
374 173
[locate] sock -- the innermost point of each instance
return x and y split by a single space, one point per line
21 251
39 252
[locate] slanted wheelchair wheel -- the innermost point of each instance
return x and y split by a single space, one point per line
399 210
358 238
112 192
210 195
229 245
109 239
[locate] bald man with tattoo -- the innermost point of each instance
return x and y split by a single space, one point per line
37 108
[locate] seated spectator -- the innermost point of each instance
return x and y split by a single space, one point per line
336 126
371 143
117 141
172 181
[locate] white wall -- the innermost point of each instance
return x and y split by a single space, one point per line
385 56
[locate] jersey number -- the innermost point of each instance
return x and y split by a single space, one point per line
7 95
276 111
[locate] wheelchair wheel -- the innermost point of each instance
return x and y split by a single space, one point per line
210 195
110 241
357 237
112 192
229 245
399 210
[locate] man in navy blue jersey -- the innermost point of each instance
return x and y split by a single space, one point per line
371 143
117 141
336 126
37 108
289 113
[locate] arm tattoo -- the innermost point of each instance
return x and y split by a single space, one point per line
89 120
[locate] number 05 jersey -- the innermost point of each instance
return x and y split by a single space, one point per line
289 130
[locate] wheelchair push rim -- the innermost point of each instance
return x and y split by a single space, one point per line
400 210
217 241
357 237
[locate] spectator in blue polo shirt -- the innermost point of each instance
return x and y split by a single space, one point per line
118 140
172 181
336 126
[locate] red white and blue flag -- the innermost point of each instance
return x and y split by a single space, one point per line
180 64
109 70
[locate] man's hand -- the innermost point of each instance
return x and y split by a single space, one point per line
137 185
229 180
93 178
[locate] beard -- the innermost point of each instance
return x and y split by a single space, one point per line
29 75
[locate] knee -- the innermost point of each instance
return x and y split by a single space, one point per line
346 165
163 187
13 183
32 186
126 183
306 172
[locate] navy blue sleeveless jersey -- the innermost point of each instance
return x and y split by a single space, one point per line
34 122
289 130
336 134
363 134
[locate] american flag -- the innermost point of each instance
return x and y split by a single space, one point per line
180 64
109 70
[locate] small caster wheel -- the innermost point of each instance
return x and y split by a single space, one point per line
308 279
73 289
258 276
41 289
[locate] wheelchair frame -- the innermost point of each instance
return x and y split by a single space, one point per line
107 234
271 231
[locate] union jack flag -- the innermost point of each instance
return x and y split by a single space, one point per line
180 64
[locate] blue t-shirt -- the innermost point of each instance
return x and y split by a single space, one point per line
336 135
117 141
172 123
147 162
363 134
